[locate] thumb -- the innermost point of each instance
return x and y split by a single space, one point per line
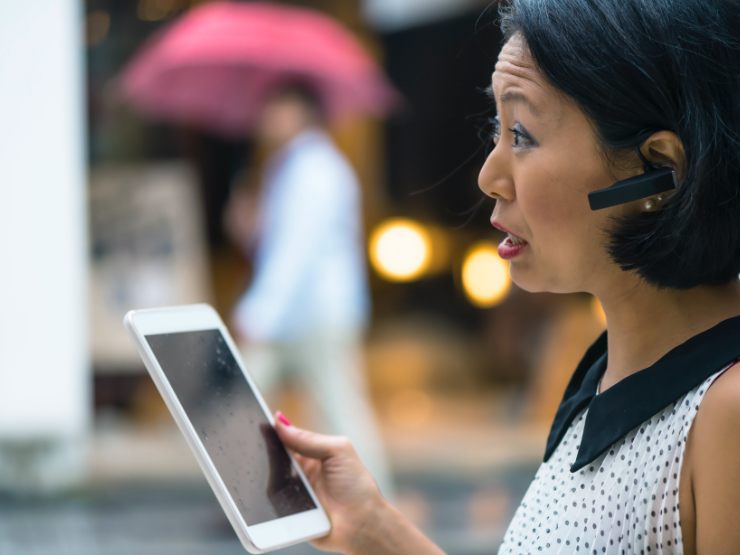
308 444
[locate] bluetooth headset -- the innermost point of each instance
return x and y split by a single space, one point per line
654 181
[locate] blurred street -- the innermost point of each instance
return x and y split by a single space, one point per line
132 506
341 232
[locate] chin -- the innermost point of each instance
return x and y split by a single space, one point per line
527 281
537 282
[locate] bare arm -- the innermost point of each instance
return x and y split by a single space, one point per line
715 467
390 533
363 522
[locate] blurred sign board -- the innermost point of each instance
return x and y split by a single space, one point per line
147 248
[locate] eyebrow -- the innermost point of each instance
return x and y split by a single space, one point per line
513 96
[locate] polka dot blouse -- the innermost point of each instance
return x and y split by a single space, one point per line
626 501
610 485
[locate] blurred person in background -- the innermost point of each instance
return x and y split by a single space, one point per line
595 100
305 311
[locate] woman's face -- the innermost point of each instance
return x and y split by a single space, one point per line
545 162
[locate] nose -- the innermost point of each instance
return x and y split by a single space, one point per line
494 178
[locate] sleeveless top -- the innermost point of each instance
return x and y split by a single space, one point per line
610 479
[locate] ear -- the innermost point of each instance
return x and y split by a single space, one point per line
664 148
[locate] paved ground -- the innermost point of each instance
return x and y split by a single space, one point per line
459 478
463 515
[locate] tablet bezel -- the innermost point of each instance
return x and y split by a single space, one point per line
257 538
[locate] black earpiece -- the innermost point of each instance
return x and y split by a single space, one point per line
650 183
654 181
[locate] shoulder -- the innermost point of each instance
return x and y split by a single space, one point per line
713 454
720 408
318 149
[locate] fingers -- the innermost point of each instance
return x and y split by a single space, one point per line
310 444
311 467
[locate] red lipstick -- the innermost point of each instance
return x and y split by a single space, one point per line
512 246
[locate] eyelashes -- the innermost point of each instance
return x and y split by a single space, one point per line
521 137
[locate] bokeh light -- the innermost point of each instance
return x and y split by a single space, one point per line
485 276
410 408
400 250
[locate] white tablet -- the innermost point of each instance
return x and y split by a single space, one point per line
195 366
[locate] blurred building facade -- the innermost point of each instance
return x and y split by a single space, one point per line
421 165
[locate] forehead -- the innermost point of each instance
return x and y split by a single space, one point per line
516 70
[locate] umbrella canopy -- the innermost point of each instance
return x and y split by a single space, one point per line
215 66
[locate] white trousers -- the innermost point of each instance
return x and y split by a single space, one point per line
329 371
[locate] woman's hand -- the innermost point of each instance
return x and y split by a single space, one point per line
361 519
345 488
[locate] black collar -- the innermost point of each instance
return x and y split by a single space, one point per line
628 403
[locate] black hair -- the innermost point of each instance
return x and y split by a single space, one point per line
640 66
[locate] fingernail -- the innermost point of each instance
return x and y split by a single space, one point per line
284 419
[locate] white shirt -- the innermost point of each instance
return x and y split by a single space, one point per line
309 272
610 481
626 501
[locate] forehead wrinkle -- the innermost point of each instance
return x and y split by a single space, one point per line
509 71
504 67
515 61
506 88
516 57
520 58
517 74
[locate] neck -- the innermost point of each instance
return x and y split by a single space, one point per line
274 142
645 323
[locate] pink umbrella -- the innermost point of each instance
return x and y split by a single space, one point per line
214 66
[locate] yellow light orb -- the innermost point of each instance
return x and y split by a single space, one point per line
410 408
485 276
400 250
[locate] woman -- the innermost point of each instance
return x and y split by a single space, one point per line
644 453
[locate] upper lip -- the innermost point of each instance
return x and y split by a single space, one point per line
500 227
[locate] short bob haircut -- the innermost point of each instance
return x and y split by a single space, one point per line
640 66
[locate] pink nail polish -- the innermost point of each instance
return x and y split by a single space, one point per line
284 419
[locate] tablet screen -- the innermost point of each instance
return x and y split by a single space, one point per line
233 428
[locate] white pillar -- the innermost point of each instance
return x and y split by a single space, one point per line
44 366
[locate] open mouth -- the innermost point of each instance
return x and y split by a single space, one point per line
511 246
513 240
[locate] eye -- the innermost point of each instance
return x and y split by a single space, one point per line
522 138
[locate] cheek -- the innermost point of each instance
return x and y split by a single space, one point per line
556 208
567 237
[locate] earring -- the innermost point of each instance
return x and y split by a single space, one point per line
652 204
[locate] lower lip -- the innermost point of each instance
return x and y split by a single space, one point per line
508 250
